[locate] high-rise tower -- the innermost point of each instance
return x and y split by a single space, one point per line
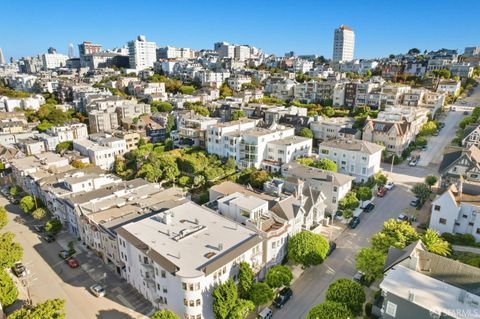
343 44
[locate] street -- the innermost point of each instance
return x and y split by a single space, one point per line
50 277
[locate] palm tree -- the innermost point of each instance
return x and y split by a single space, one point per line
434 243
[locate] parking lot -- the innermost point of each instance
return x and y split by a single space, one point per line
49 276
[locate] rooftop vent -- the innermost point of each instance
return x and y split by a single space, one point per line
210 254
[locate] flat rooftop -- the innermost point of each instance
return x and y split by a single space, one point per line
291 140
430 293
189 239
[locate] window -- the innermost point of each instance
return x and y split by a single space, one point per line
164 289
478 230
191 303
436 207
470 224
185 302
163 273
442 221
464 216
197 286
391 309
190 287
197 302
184 286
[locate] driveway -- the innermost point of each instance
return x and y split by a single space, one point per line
309 290
50 277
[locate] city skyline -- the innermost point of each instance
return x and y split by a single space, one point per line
379 30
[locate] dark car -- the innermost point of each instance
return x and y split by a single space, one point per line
382 191
369 208
332 246
361 279
283 296
39 228
19 269
354 222
48 238
64 254
465 113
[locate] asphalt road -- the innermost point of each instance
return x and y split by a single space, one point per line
309 290
50 277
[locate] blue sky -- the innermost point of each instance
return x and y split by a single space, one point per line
306 27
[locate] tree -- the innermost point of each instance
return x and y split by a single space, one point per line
279 276
184 181
230 166
413 51
161 106
430 180
330 310
350 201
42 127
164 314
347 292
394 234
442 73
27 203
306 132
364 193
10 251
50 309
14 190
260 293
428 128
422 191
307 161
187 89
245 280
434 243
370 261
241 309
326 164
380 179
224 299
225 90
170 123
39 213
64 146
8 289
237 114
257 178
199 180
3 217
53 226
307 248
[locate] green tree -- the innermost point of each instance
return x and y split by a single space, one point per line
161 106
27 203
10 251
150 172
350 201
307 248
434 243
164 314
14 190
184 181
257 178
224 299
413 51
39 213
42 127
330 310
8 289
225 90
370 261
279 276
49 309
442 73
307 161
170 124
199 180
53 226
3 217
241 309
64 146
394 234
230 166
380 179
428 128
430 180
245 280
187 89
260 293
422 191
237 114
347 292
364 193
326 164
306 132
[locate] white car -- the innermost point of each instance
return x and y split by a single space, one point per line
389 185
98 290
402 218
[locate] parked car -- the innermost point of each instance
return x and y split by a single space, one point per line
361 279
64 254
354 222
414 202
48 238
424 148
465 113
331 248
436 133
413 162
402 218
39 228
266 313
382 191
389 185
441 124
19 269
72 262
97 290
369 208
283 296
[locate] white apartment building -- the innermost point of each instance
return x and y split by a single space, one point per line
211 78
142 53
343 44
285 150
326 128
241 52
54 60
103 120
450 87
192 129
225 50
69 132
223 138
176 257
103 153
170 52
357 158
456 213
236 82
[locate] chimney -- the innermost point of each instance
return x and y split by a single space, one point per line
220 247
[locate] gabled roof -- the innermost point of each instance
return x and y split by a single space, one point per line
451 155
396 256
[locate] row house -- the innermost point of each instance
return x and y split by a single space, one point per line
101 152
326 128
460 164
394 135
192 129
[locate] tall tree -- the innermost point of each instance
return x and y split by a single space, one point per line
241 309
39 213
347 292
3 217
50 309
10 251
394 234
306 132
237 114
224 299
27 204
307 248
422 191
326 164
245 280
364 193
260 293
370 261
350 201
434 243
164 314
279 276
8 289
430 180
330 310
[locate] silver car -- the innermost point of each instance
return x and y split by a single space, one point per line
98 290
